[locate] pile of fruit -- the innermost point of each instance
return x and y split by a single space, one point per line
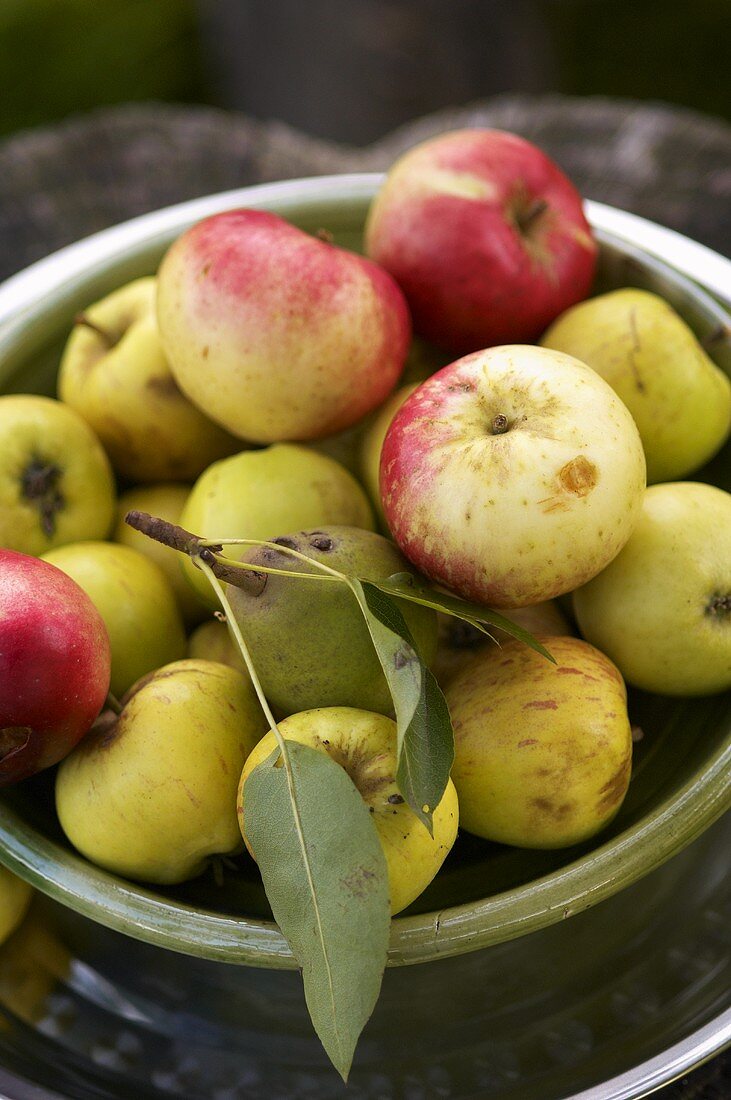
287 646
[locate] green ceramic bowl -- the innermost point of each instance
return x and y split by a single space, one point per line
485 893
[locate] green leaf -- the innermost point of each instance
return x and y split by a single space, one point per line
406 587
425 735
326 878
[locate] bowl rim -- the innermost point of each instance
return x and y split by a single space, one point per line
125 907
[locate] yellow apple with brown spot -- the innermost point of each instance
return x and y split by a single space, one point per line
365 745
543 751
512 476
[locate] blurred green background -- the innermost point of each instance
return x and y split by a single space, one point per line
353 69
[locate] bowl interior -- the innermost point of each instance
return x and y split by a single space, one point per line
485 892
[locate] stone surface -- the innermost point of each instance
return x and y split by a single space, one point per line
62 183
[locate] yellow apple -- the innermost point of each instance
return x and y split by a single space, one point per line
151 794
56 484
167 501
662 608
211 641
372 442
543 751
365 745
261 494
679 398
135 601
115 374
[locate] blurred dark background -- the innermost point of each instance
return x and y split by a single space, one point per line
351 70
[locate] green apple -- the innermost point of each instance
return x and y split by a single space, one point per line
167 501
260 494
151 793
372 442
56 484
662 609
308 639
114 373
458 640
679 398
543 751
365 745
135 601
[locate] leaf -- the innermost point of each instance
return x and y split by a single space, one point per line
326 878
406 587
425 735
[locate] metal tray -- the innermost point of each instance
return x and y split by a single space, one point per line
605 1006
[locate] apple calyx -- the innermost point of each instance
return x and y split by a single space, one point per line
500 424
39 485
527 216
719 605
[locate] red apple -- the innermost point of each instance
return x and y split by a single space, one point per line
54 665
276 334
486 237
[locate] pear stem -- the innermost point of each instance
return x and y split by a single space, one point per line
240 574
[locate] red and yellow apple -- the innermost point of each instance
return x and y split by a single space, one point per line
54 665
486 237
276 334
512 476
543 751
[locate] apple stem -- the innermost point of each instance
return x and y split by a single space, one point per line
500 424
531 215
108 337
112 703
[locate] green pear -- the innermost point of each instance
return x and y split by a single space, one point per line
135 601
679 398
258 494
167 501
662 608
307 638
114 373
151 793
